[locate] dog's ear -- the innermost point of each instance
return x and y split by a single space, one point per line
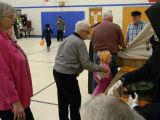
153 14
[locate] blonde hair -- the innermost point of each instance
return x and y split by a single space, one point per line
104 107
105 56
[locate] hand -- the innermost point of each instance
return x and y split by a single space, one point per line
132 102
64 31
105 68
18 111
118 84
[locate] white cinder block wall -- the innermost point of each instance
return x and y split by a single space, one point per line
34 8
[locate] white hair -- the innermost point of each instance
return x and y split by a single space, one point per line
104 107
82 25
5 8
107 15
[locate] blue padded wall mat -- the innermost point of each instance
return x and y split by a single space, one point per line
70 18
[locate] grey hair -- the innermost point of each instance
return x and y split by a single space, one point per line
104 107
5 8
82 25
107 15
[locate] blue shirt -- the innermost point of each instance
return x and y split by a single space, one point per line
133 30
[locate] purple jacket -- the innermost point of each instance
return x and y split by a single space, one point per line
15 77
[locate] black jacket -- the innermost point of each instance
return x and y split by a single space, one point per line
47 33
149 112
149 71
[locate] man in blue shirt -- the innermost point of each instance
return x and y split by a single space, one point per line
135 27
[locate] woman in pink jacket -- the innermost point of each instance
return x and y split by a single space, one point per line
15 77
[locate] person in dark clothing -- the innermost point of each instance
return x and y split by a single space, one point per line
47 33
149 112
16 29
24 20
149 71
90 74
24 23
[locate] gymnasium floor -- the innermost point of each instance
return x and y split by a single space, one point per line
44 102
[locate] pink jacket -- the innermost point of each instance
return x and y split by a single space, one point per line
103 80
15 77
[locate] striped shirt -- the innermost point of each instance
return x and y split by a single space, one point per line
133 30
